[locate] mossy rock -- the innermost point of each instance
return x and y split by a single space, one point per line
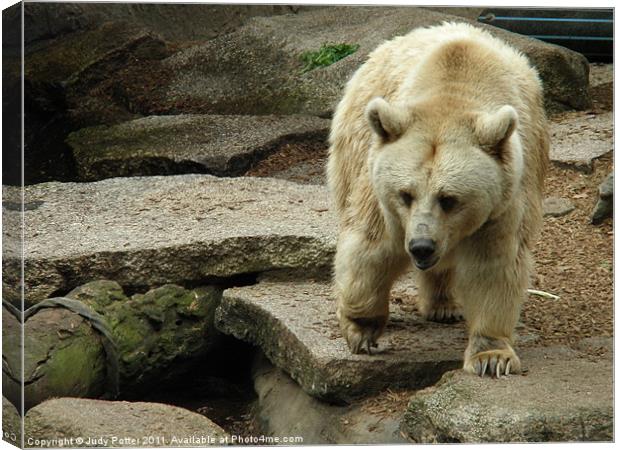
154 336
160 330
98 294
63 356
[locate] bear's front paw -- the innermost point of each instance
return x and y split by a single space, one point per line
362 333
444 313
494 362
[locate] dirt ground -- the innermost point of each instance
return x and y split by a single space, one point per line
574 260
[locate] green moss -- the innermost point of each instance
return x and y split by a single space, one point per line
99 294
166 324
327 55
78 368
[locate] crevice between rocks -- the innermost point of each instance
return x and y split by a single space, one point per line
236 166
237 280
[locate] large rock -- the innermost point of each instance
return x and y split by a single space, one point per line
604 207
12 351
58 75
151 231
294 324
11 424
578 139
257 69
63 356
317 422
96 341
174 22
162 145
72 422
160 334
565 396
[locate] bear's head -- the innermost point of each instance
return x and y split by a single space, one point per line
441 171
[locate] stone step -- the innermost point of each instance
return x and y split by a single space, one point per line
75 422
564 396
150 231
294 324
163 145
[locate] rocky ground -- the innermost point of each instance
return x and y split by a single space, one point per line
200 277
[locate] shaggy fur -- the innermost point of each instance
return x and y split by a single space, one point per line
440 136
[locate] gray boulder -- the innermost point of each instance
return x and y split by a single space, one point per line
578 139
59 74
557 207
11 424
163 145
605 204
174 22
564 397
257 69
294 324
73 422
63 356
149 231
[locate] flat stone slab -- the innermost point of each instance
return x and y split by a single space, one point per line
557 207
150 231
580 138
162 145
565 396
75 422
294 324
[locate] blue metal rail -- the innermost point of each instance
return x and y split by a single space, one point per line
585 30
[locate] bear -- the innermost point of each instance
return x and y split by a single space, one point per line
437 156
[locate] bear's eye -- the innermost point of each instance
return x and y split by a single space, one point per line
447 203
406 198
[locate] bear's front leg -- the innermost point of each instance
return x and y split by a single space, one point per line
436 300
494 356
364 273
493 297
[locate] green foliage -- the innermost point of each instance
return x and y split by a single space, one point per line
328 54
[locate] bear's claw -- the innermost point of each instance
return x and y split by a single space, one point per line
496 363
360 341
361 334
444 314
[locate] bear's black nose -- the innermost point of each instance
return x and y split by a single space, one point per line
422 249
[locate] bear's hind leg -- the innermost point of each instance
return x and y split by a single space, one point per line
435 297
364 273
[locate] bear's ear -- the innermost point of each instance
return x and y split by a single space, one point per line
493 130
388 121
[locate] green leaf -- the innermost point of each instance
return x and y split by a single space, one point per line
326 55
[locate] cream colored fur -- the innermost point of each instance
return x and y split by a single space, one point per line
446 111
